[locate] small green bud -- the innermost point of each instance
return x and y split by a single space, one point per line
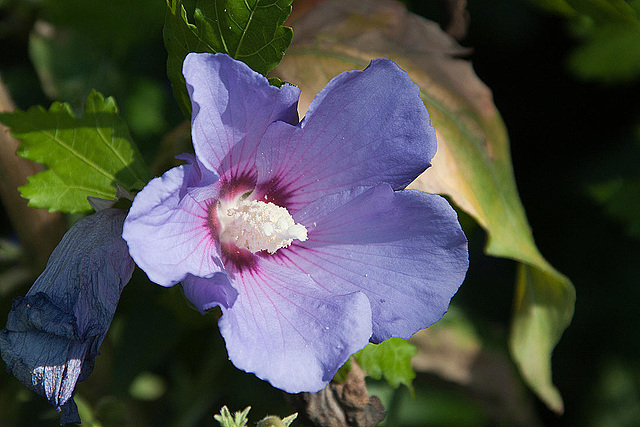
275 421
227 420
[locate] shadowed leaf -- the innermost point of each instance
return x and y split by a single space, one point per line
460 353
610 29
603 10
621 199
611 53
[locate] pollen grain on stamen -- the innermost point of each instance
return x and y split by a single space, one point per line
260 226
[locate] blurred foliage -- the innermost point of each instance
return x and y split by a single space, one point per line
620 195
616 404
609 31
164 364
75 46
433 404
605 10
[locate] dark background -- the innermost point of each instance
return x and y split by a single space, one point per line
567 135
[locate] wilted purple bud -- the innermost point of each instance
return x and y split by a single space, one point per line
54 332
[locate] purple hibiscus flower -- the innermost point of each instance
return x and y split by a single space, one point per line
302 232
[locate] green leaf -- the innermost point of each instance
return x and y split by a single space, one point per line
147 387
70 64
605 10
250 31
180 38
619 195
544 301
391 359
600 10
473 163
117 24
611 53
609 31
560 7
621 199
77 45
85 156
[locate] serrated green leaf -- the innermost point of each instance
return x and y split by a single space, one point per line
391 359
472 165
180 38
250 31
85 156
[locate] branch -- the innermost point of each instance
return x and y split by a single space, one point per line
341 404
38 230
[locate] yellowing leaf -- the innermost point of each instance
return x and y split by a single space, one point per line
543 305
472 165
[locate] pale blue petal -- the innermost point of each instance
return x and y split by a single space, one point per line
290 332
232 107
169 229
405 250
364 128
206 293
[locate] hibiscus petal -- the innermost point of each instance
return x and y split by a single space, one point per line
290 332
207 293
232 107
364 128
168 229
405 250
53 333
